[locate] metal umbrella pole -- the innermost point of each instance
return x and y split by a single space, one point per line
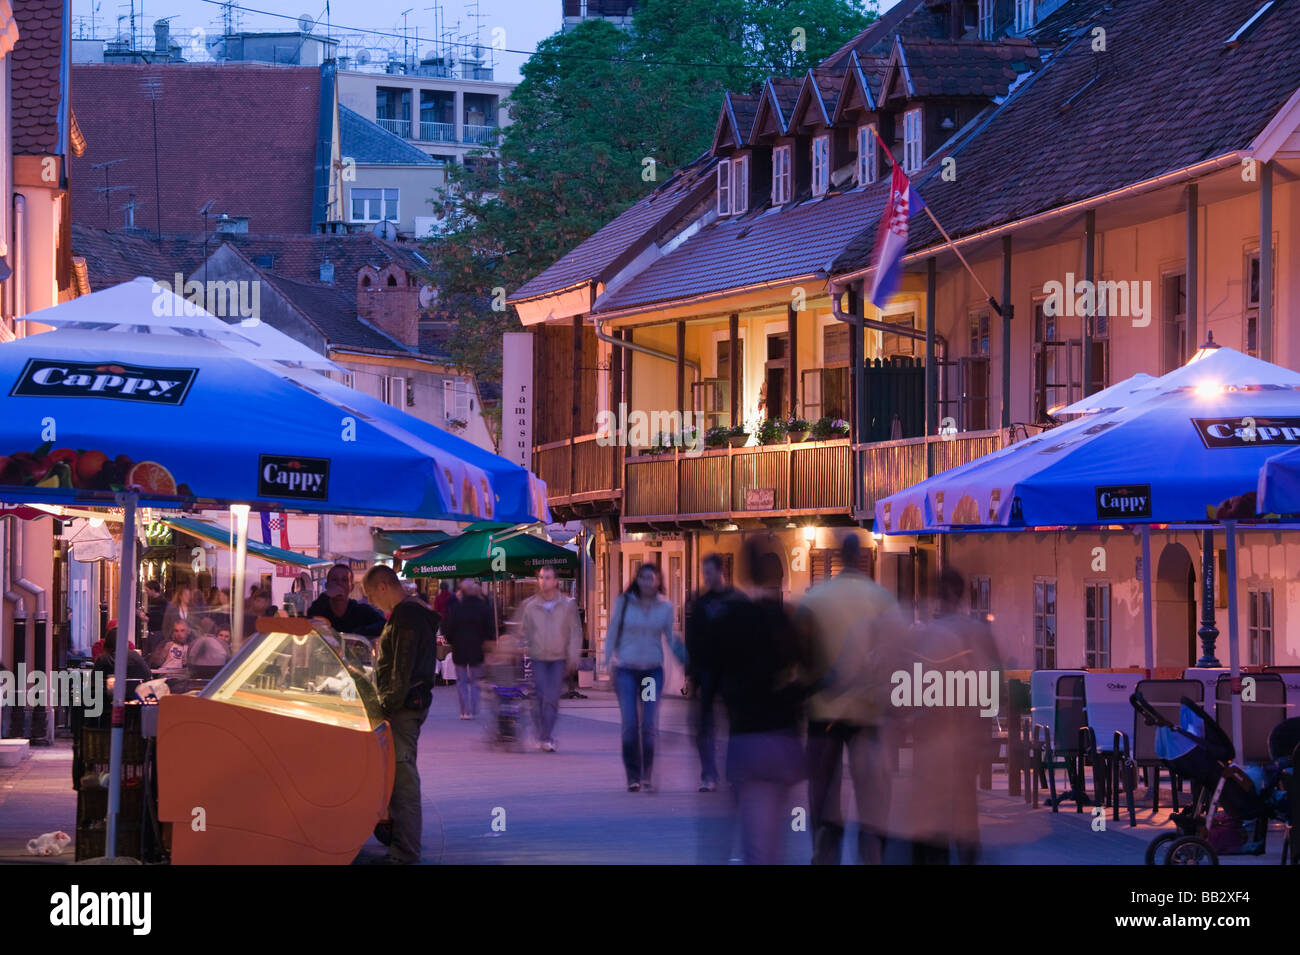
125 635
1234 655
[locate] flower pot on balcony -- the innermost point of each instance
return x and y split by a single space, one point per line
795 437
738 440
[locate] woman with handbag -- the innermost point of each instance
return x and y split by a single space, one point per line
641 623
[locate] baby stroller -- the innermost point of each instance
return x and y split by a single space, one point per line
1231 806
506 689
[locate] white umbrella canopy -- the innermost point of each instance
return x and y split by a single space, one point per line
1118 395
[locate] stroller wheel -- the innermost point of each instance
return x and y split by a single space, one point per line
1190 850
1159 847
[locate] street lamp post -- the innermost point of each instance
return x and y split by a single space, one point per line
1208 632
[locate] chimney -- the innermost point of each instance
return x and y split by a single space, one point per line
231 224
391 303
327 272
160 37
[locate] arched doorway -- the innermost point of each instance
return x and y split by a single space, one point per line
1175 600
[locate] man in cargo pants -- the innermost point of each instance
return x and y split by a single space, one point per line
404 674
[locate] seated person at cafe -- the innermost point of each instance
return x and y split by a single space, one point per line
171 655
343 613
207 651
100 645
136 666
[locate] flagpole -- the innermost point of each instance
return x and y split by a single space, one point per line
946 238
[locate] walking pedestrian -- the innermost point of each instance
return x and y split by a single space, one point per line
641 623
852 625
444 599
707 617
551 630
467 626
762 669
404 672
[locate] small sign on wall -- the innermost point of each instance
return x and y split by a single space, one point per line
517 398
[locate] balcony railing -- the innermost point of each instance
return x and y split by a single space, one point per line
438 132
890 466
579 471
482 135
730 483
402 127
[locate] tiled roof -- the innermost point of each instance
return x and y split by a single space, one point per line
34 77
744 106
876 38
768 246
369 144
964 68
599 257
1177 98
242 136
786 89
114 257
333 309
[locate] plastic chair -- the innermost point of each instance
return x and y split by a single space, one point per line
1106 743
1058 715
1258 716
1164 696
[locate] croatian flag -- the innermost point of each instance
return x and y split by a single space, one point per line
275 522
891 240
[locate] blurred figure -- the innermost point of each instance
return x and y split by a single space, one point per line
761 666
642 621
179 608
137 668
343 613
948 741
851 624
549 626
444 599
206 650
467 626
156 605
707 618
257 605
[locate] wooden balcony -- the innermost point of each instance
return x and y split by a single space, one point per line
581 475
890 466
813 479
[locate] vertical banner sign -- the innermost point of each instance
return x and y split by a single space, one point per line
517 398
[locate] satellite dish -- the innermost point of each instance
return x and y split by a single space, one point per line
428 295
385 230
306 23
363 57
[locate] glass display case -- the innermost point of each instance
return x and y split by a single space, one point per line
299 674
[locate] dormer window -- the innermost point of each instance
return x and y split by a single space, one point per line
821 165
866 154
912 154
1024 15
782 175
986 19
739 185
724 188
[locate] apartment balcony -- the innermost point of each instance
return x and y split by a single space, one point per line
781 481
888 467
438 132
401 127
582 476
480 135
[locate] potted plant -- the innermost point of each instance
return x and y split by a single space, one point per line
716 437
738 436
663 444
825 429
771 431
796 430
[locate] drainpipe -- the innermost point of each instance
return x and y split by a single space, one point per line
604 336
19 585
10 728
20 258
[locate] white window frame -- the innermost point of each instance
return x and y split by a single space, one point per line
1024 15
457 399
394 388
782 175
986 19
1260 623
372 201
1045 643
724 188
867 153
913 155
739 185
1099 622
821 164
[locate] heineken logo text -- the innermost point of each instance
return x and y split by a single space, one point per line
49 378
306 478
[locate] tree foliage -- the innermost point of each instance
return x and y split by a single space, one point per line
600 118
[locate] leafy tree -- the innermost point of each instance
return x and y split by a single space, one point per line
601 117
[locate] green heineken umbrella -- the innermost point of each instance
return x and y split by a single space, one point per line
492 551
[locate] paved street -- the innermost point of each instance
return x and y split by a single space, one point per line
572 807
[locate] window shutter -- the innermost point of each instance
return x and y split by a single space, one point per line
724 189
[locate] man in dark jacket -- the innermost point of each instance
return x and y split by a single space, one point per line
467 626
707 620
345 614
404 671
